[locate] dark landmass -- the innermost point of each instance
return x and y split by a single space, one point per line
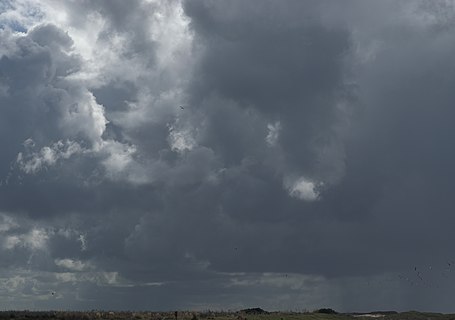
245 314
254 311
327 311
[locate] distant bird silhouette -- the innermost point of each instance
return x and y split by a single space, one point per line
53 293
182 107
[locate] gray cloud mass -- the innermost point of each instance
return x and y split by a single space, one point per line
309 166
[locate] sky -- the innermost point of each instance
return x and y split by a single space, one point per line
198 154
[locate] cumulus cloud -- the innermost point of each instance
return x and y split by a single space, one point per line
35 239
273 133
7 223
302 188
47 156
181 140
71 264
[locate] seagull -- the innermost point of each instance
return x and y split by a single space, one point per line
182 107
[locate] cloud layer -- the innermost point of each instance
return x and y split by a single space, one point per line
200 154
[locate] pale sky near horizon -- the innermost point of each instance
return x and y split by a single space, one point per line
196 154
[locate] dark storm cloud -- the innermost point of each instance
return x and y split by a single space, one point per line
281 61
395 194
309 165
404 137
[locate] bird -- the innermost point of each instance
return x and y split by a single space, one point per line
182 107
53 293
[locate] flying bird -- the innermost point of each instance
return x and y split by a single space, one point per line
182 107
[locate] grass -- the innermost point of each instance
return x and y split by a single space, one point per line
69 315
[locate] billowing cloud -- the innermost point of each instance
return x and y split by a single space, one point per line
302 189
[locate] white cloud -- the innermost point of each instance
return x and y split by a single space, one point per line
181 140
83 242
119 156
66 277
47 156
99 278
35 239
171 50
11 241
72 264
302 188
7 223
85 117
273 133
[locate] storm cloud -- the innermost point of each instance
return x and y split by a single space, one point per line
211 155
